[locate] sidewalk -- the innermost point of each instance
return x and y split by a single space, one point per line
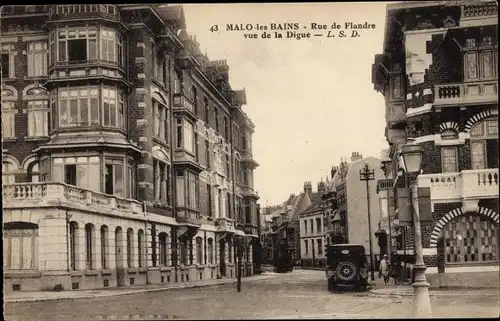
407 290
100 293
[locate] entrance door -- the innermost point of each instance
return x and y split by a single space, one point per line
222 256
120 271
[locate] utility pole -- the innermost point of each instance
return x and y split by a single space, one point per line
367 174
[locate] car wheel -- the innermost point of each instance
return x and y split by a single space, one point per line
346 271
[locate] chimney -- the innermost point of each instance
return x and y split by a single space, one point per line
355 156
321 187
307 187
333 171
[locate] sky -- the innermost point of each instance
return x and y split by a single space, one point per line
311 100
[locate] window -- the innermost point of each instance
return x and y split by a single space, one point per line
130 242
245 177
8 119
114 177
449 159
33 172
78 45
228 205
73 228
199 250
320 246
8 62
243 142
480 59
205 104
318 225
396 87
104 247
113 107
160 125
131 187
184 252
210 250
248 214
80 171
37 59
196 149
195 99
449 134
305 227
484 144
471 239
161 173
207 153
108 52
312 226
78 107
216 116
89 259
192 188
179 132
306 246
189 143
226 128
140 248
20 246
209 189
38 118
163 249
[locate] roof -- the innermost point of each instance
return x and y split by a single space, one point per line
316 203
172 13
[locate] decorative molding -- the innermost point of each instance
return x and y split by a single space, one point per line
478 117
438 227
449 125
419 110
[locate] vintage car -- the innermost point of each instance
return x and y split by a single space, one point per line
346 266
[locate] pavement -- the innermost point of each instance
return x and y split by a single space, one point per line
407 290
301 294
109 292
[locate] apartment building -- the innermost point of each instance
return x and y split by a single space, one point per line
126 157
439 76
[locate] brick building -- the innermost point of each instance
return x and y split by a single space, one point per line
438 74
126 157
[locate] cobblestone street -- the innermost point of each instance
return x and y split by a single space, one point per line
300 294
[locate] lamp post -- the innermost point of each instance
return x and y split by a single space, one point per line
366 174
412 159
386 168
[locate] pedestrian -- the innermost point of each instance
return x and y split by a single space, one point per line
396 271
384 269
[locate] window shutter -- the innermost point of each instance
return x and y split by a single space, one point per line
424 204
403 204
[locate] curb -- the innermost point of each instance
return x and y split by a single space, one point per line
138 291
410 294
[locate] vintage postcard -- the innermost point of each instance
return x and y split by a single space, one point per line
231 161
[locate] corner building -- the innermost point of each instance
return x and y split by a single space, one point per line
439 76
127 157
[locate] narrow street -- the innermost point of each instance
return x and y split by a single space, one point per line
300 294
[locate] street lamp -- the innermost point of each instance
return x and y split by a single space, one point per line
366 174
412 164
386 166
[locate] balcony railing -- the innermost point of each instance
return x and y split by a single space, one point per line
181 102
480 182
225 224
466 93
466 184
84 11
35 194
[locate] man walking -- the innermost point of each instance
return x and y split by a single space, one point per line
384 269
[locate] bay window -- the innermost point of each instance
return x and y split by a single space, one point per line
78 171
161 174
114 177
192 188
449 157
396 86
77 45
108 38
480 60
37 59
38 118
187 189
185 135
113 107
78 107
484 144
8 119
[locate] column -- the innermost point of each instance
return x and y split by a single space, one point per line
96 256
80 247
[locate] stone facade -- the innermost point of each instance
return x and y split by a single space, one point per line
127 157
448 82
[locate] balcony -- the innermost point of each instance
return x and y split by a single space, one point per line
183 105
188 217
225 225
248 159
480 183
479 14
468 184
247 191
54 194
250 229
82 11
482 92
